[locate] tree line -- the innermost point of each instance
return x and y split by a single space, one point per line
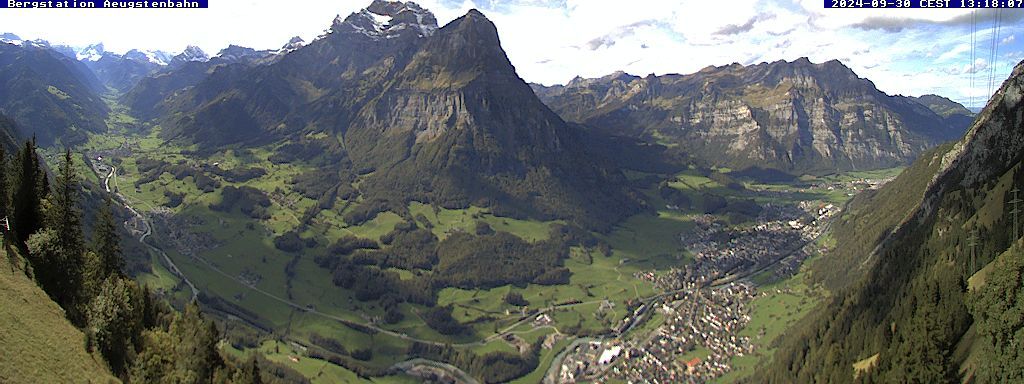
141 338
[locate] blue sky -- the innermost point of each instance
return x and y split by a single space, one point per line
910 52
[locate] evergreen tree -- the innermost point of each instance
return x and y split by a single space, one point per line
155 363
248 373
998 309
59 273
196 347
93 274
27 197
65 214
43 181
106 242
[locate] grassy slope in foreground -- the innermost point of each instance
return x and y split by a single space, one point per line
39 344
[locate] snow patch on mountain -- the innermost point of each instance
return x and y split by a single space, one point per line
191 53
158 57
10 38
387 19
153 57
293 44
91 53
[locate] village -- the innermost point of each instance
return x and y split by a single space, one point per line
706 303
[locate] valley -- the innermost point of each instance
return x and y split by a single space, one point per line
238 271
399 196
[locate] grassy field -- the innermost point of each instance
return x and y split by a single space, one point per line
778 307
39 344
864 365
446 221
243 246
318 371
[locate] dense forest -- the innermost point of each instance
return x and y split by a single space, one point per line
479 260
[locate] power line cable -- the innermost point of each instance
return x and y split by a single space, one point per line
993 52
972 68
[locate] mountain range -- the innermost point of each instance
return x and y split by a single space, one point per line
51 96
390 109
794 116
797 116
425 113
927 269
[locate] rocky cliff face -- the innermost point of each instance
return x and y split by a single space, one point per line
913 306
421 112
795 116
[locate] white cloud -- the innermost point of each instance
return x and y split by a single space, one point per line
552 41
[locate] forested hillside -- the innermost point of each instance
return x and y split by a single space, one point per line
52 97
911 317
127 329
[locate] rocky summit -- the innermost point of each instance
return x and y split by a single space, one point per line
433 114
794 116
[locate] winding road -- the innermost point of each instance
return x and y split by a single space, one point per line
406 365
111 178
149 231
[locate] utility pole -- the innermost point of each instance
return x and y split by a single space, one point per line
1016 213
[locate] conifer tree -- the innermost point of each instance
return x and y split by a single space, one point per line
65 214
27 197
57 252
106 242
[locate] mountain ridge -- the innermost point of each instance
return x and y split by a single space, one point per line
794 116
421 113
915 277
51 96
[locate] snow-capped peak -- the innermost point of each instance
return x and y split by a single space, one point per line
159 57
192 53
293 44
91 53
388 19
154 57
10 38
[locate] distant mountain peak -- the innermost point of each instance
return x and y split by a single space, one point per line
233 49
194 53
293 44
191 53
10 38
155 57
388 19
810 117
92 53
239 54
620 76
